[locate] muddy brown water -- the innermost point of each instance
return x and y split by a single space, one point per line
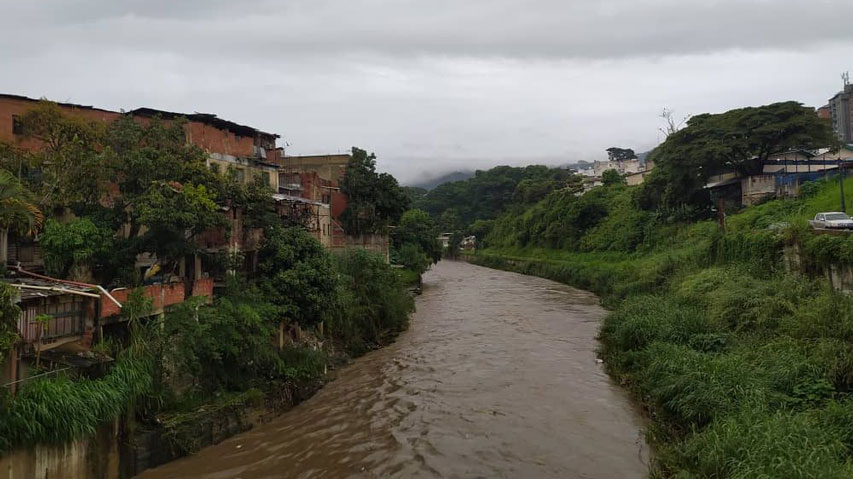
496 377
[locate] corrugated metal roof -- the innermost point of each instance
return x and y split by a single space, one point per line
33 288
296 199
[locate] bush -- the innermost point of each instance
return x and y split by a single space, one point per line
374 305
412 257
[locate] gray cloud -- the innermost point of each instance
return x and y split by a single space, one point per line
431 84
503 28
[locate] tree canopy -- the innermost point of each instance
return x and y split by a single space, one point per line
620 154
739 140
374 200
490 192
418 228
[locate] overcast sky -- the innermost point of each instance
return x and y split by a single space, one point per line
432 85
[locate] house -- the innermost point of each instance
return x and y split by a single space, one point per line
312 215
331 167
781 176
56 316
250 152
634 179
317 178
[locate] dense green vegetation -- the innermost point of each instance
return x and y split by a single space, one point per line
415 242
741 365
488 193
739 140
731 337
275 328
374 200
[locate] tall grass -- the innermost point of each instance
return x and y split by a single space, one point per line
59 410
746 369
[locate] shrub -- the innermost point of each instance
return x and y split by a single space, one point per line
374 305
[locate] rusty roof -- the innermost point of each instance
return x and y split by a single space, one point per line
206 118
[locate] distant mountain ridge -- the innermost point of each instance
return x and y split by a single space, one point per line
446 178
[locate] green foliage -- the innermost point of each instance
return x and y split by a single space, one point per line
418 229
227 346
751 444
374 200
620 154
737 140
9 314
297 275
66 169
374 303
486 195
58 410
741 364
612 177
412 257
78 243
17 207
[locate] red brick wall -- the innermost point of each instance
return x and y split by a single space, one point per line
203 287
162 295
14 106
206 137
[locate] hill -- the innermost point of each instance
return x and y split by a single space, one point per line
460 175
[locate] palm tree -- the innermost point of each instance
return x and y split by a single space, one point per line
17 211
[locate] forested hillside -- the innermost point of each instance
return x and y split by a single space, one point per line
488 193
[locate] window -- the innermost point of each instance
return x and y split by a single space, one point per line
214 167
241 175
17 125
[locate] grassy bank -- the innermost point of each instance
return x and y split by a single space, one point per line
745 370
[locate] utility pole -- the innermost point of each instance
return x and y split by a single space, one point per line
841 185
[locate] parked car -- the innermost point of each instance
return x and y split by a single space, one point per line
832 220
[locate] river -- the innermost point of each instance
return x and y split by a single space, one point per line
496 377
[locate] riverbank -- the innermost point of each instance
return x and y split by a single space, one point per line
454 396
204 371
736 343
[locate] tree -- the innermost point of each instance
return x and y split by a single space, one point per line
374 200
620 154
412 257
612 177
76 248
450 221
65 168
162 195
480 229
488 193
297 275
672 124
17 211
739 140
418 228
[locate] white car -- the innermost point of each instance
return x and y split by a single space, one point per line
832 220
